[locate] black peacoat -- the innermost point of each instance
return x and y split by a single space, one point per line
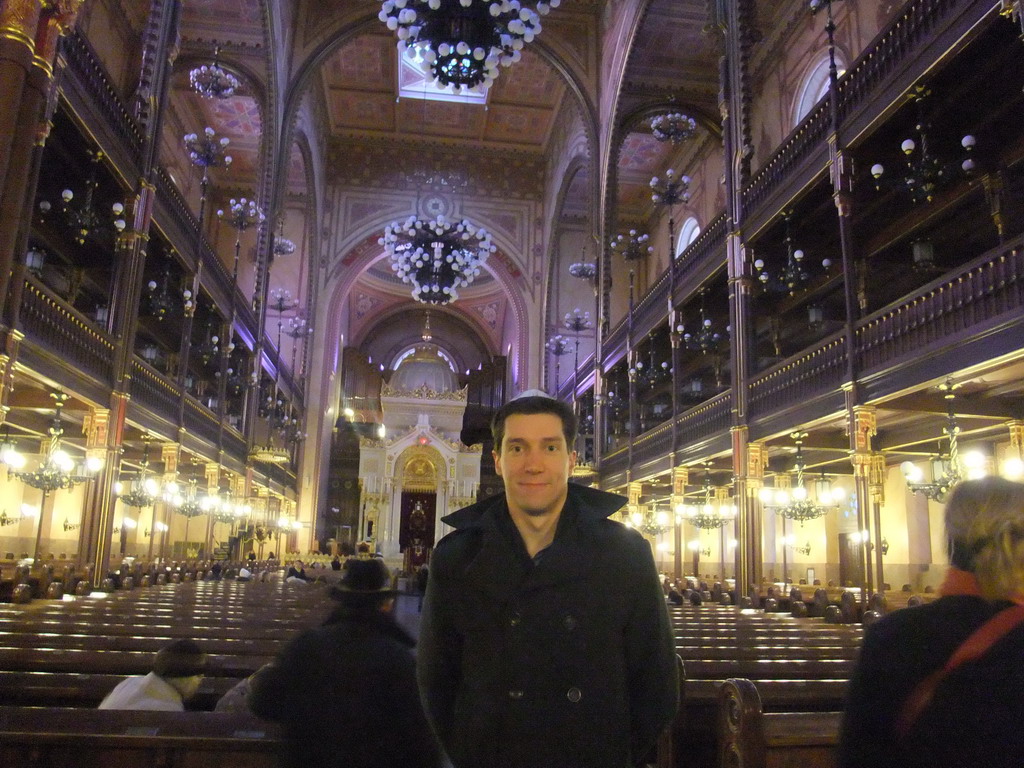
566 663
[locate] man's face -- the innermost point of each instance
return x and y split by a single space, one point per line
534 463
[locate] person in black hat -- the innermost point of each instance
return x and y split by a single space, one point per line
345 692
177 671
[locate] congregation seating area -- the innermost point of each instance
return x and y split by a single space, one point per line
792 675
761 687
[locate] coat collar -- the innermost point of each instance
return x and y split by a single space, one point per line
493 567
591 505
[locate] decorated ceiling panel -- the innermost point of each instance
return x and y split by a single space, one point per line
518 124
237 21
359 110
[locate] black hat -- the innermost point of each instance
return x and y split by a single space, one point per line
365 577
182 658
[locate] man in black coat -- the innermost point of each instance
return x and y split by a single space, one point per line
346 691
545 640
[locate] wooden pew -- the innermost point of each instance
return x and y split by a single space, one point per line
77 738
83 689
750 737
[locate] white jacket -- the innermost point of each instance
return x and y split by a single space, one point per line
144 692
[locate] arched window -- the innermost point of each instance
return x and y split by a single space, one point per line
814 87
687 234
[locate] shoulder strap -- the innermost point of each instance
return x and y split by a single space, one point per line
975 646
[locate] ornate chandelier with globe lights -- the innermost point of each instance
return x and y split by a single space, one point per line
796 503
437 257
464 41
673 126
632 246
212 81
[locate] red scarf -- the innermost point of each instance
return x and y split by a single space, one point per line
960 582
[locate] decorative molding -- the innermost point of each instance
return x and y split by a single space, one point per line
425 393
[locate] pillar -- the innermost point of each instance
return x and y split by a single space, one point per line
863 426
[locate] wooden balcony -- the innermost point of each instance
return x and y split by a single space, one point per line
63 336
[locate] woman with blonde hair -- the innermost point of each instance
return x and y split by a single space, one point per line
943 684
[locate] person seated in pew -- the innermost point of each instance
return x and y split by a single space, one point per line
177 672
236 698
296 573
345 692
942 685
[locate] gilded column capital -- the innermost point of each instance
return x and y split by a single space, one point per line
19 20
1016 427
877 473
96 427
169 453
864 427
680 479
757 463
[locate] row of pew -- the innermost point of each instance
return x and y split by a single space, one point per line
761 686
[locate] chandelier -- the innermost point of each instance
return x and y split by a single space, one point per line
464 41
206 150
57 470
189 503
436 257
212 81
583 269
577 321
283 246
650 519
924 173
651 374
242 214
947 469
794 275
632 246
796 504
710 515
673 126
671 190
81 217
558 345
705 339
143 491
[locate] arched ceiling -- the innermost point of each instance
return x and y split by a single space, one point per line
673 65
353 98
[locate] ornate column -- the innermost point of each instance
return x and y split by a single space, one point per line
863 426
680 479
104 429
750 512
170 454
213 490
29 33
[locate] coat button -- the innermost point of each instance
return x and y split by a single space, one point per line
515 693
574 695
569 622
514 619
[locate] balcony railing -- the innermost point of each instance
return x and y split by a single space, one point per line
51 324
86 66
710 418
810 374
150 390
201 421
983 292
898 43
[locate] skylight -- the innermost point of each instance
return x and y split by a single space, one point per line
416 82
